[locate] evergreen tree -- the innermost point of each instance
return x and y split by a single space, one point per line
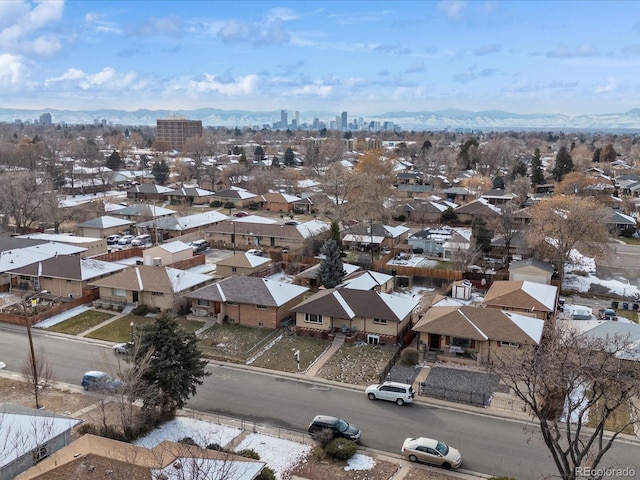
176 367
114 162
481 234
289 157
449 215
160 171
537 175
330 272
497 183
596 155
334 234
519 170
564 164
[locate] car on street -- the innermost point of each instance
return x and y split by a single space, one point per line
122 348
434 452
100 381
400 393
338 426
199 246
241 214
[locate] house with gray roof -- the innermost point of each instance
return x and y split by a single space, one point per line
531 269
148 191
190 195
102 227
366 315
165 228
28 436
246 300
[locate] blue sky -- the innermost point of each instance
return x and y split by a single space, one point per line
364 57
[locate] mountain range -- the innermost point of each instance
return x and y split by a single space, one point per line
488 120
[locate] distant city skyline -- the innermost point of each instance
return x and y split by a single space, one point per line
562 57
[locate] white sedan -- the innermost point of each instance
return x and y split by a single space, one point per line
122 348
431 451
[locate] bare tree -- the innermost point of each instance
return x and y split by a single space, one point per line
38 375
506 226
561 224
574 385
25 198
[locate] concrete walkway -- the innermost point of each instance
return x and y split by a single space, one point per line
315 367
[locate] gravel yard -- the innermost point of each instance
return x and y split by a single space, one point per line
461 385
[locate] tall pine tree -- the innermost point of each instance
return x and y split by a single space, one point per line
564 164
330 272
537 175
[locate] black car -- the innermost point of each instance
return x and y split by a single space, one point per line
338 426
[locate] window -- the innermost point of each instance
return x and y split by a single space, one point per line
40 453
373 339
234 269
312 318
157 294
261 307
509 344
118 292
232 304
461 342
379 321
201 302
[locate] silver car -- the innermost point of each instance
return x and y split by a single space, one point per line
399 393
431 451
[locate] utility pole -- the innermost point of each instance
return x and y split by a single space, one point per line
32 352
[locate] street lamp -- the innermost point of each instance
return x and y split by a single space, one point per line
233 240
131 339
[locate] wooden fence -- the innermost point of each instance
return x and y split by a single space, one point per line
66 304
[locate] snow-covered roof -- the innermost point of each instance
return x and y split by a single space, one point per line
545 294
254 219
105 221
182 280
364 239
367 281
531 326
312 228
60 237
193 468
20 257
175 246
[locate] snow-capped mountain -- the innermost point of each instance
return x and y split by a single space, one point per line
435 120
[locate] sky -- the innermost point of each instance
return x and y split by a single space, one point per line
363 57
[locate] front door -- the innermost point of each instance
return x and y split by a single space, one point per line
434 340
135 297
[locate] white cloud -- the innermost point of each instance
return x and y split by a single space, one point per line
108 79
452 8
12 70
314 89
241 86
19 22
610 86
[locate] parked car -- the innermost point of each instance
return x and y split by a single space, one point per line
418 250
241 214
431 451
122 348
96 380
607 314
142 241
199 246
255 251
113 239
399 393
125 240
292 222
338 426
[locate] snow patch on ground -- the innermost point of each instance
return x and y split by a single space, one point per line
202 432
279 454
582 284
575 406
360 462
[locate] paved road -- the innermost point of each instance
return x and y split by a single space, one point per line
489 444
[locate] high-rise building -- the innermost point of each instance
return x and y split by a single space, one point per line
296 119
176 131
284 123
45 119
345 124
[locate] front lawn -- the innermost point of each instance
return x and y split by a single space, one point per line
231 341
81 323
120 330
360 364
281 355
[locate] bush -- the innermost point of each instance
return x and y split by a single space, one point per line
266 474
409 356
140 310
341 449
229 205
215 446
248 453
323 437
188 441
215 204
86 428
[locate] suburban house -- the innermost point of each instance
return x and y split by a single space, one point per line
139 212
278 202
242 264
91 245
252 301
149 192
102 227
238 197
617 222
519 247
370 280
460 240
431 240
364 235
498 196
91 458
62 275
167 253
173 227
459 194
152 285
256 232
366 315
524 297
17 252
308 277
190 195
474 332
477 208
29 436
531 269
